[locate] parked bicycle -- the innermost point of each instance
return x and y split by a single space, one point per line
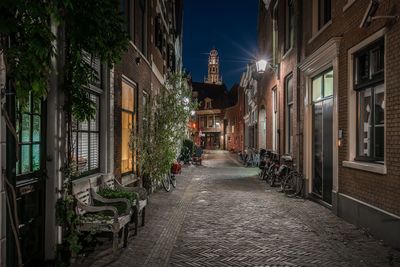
170 177
293 184
251 157
281 170
271 168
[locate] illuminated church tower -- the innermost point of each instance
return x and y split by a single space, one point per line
213 68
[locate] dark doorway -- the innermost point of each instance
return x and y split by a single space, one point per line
27 176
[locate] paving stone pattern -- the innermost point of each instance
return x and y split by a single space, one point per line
222 215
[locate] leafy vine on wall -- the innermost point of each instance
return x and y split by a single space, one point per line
85 29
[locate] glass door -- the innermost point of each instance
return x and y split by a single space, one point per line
30 180
323 136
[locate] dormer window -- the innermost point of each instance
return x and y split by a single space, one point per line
207 103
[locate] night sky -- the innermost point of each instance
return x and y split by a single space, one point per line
230 26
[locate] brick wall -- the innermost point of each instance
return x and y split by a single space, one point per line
288 65
234 116
139 72
382 191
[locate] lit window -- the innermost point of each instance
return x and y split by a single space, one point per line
322 86
128 121
217 121
29 131
202 123
210 122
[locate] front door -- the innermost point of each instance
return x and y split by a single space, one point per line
322 180
323 136
28 181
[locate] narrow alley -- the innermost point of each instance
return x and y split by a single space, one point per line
221 214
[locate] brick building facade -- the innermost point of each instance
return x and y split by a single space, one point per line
345 79
234 136
278 91
154 51
100 146
210 129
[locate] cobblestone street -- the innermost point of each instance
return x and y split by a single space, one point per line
222 215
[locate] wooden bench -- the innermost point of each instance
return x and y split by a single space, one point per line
138 208
93 218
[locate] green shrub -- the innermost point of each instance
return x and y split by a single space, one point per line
186 150
114 193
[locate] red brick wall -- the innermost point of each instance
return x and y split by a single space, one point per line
234 116
140 73
382 191
288 65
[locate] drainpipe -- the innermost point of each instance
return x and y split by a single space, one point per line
298 86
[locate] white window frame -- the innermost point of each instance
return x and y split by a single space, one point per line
352 117
274 119
288 119
315 20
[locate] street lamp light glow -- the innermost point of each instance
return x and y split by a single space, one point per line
261 65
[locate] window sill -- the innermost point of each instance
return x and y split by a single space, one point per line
329 23
90 177
348 4
128 179
366 166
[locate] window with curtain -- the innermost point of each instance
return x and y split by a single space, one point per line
86 141
369 84
201 122
128 127
210 122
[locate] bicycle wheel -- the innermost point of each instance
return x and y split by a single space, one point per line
297 185
173 180
261 173
166 182
269 173
272 177
288 185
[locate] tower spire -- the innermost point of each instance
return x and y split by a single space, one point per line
213 68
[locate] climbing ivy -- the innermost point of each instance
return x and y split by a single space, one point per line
85 30
93 29
26 44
